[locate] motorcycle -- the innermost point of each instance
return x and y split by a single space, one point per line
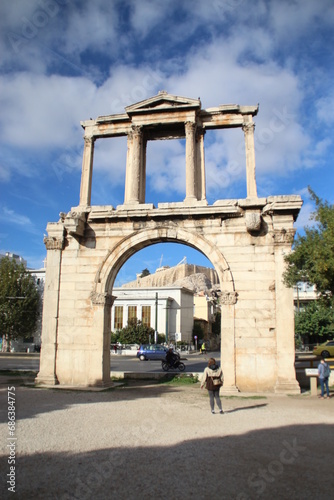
177 365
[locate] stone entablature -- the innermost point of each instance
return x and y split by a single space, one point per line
165 116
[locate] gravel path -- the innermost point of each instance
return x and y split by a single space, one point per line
149 440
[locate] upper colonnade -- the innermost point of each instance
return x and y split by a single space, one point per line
166 116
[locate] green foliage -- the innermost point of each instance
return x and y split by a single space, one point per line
312 259
198 330
216 326
114 337
145 272
316 319
135 333
19 300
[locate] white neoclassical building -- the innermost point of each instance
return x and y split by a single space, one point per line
168 310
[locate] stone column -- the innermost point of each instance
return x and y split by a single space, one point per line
87 172
142 193
134 169
201 194
285 333
191 174
228 354
54 244
248 129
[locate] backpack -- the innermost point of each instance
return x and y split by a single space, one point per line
327 370
213 383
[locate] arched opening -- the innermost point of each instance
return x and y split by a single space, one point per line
171 288
123 250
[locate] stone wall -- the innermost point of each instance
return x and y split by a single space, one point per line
257 310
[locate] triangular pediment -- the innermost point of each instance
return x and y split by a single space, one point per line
163 101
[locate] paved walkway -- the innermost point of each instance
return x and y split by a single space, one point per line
160 441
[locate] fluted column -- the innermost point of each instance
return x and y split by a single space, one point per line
200 164
87 172
191 177
248 129
134 179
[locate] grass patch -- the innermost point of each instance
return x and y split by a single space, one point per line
178 379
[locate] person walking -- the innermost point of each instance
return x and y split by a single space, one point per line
213 380
323 374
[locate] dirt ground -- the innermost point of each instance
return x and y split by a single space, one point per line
153 440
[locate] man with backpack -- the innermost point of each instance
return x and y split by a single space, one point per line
323 373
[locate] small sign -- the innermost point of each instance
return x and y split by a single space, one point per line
311 372
195 337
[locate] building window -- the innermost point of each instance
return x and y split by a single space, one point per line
118 320
132 313
146 315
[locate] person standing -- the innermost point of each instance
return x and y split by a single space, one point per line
323 374
213 380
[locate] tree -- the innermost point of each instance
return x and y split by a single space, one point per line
135 333
315 319
145 272
19 301
312 258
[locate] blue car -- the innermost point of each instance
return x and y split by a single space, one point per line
152 351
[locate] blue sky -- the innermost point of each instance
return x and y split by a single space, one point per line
64 61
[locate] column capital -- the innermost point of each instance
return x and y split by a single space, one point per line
102 299
89 139
284 237
190 126
248 127
136 130
52 243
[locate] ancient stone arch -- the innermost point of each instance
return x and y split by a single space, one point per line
245 239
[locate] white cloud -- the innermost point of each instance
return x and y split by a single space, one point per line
290 20
8 216
324 108
42 111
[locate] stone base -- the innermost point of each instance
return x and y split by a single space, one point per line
229 391
94 388
287 387
46 380
76 388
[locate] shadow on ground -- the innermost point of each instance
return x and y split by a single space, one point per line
293 462
45 400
